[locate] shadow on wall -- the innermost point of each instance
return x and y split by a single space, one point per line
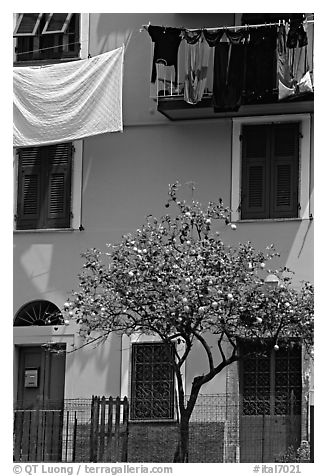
95 369
46 267
292 239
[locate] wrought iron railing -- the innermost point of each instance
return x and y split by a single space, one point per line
100 430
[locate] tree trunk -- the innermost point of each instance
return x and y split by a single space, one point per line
181 453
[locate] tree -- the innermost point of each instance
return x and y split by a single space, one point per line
175 278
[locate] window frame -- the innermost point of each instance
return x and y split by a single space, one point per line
304 121
76 191
19 21
171 418
271 357
84 19
64 26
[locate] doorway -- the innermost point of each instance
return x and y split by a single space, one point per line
270 404
40 402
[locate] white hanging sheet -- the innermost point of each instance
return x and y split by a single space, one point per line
68 101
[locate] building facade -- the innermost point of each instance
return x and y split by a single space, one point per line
73 196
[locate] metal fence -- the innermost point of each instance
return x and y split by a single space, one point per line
99 430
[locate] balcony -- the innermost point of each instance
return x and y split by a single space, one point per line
169 88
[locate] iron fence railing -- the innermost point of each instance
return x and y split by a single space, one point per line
101 430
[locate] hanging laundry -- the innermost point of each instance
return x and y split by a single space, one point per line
192 36
68 101
296 35
229 71
260 65
292 66
213 37
166 43
197 53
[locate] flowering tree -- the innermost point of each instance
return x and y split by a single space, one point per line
174 278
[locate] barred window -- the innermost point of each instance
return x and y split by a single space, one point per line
271 382
152 395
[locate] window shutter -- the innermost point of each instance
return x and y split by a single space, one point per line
59 158
284 171
254 202
44 187
29 188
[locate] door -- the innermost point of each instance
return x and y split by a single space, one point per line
270 404
40 403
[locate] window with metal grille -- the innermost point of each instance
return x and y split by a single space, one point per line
44 187
271 381
270 171
152 396
47 36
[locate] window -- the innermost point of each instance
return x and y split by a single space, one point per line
44 187
44 36
271 382
38 313
152 396
271 167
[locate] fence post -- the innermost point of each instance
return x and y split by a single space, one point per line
67 429
102 427
116 431
18 434
92 430
74 438
124 435
109 430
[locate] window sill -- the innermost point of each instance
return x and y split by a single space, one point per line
47 230
269 220
45 62
157 422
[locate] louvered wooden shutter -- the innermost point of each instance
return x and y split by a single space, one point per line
254 197
29 188
44 187
284 170
59 186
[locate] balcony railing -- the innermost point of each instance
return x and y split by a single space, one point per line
169 90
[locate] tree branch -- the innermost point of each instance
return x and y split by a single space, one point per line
220 347
206 348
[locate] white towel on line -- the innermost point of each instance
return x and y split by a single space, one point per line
68 101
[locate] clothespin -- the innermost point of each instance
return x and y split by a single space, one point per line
145 27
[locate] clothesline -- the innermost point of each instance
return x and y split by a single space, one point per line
234 27
67 44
